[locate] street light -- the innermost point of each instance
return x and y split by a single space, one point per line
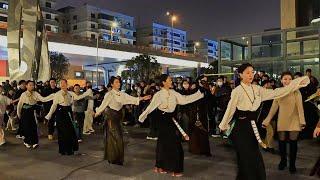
113 25
196 44
173 18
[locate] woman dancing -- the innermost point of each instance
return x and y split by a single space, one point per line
169 152
112 103
245 100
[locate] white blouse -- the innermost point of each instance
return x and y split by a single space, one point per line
115 100
240 100
66 98
31 98
167 100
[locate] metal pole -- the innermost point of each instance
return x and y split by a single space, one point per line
111 33
172 34
194 48
97 72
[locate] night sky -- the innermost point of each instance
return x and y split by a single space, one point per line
200 18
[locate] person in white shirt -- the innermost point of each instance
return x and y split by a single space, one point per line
169 152
26 111
66 126
112 104
4 102
245 100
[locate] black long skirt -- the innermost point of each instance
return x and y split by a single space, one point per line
67 138
114 146
169 151
250 161
29 124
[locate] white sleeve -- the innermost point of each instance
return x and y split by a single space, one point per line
76 97
90 105
155 102
53 108
232 106
106 101
267 94
8 101
130 99
43 99
20 104
182 99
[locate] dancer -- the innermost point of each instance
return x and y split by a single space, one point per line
46 92
26 111
245 100
169 152
4 102
198 123
290 122
112 103
61 106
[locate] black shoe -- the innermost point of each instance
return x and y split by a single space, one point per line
292 169
282 165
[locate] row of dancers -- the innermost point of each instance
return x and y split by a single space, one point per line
238 121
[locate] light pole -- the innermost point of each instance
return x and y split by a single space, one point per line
113 25
97 59
173 18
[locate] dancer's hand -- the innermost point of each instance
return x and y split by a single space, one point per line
186 137
144 98
316 132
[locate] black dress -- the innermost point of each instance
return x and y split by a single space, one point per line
250 161
169 152
198 127
67 138
114 146
29 124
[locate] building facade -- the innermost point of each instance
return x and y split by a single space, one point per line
163 38
90 22
205 48
50 15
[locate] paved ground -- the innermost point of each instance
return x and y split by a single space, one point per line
44 163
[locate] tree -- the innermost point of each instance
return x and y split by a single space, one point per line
142 68
59 65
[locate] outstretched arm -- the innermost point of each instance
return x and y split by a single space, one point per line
155 102
38 97
183 100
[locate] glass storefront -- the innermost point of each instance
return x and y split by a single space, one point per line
274 51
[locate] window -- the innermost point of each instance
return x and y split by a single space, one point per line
3 19
210 51
48 28
93 26
93 15
48 4
79 74
106 17
48 16
75 17
93 36
177 42
176 34
75 27
210 44
4 5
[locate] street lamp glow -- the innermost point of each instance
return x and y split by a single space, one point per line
197 44
114 24
173 18
168 13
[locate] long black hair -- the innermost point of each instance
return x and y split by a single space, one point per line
163 78
111 80
243 67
